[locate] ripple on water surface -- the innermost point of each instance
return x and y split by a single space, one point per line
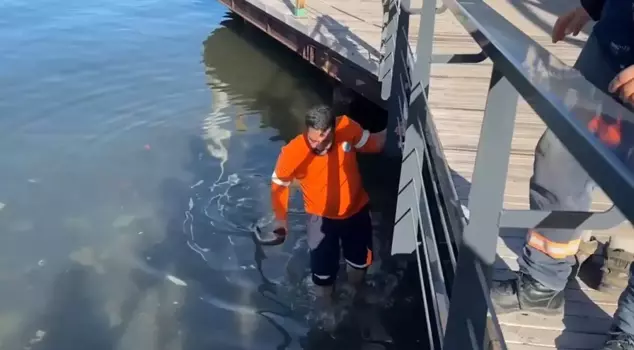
137 139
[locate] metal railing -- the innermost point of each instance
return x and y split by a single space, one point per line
455 257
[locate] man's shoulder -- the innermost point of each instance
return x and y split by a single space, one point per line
297 142
296 145
343 121
348 128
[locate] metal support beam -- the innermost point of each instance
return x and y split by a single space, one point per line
468 309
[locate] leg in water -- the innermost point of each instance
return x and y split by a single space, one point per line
323 241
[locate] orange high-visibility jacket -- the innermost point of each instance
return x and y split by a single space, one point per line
331 183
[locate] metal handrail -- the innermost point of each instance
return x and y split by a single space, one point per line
515 55
520 67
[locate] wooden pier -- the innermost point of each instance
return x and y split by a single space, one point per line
342 37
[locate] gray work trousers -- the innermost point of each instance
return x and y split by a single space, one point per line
560 183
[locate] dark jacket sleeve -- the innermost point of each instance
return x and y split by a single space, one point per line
593 7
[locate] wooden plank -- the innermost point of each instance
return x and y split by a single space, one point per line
533 347
571 323
542 337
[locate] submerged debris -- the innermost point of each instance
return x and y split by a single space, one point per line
39 335
86 256
176 281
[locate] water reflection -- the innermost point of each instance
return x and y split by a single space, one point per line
279 92
131 174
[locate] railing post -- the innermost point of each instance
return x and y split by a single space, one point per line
415 114
424 47
399 84
467 321
404 241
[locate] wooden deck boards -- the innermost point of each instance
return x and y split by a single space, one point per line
457 98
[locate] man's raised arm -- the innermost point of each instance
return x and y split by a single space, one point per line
368 142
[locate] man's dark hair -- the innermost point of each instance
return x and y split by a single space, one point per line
320 118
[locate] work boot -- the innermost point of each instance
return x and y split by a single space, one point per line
618 340
526 295
615 270
504 296
588 248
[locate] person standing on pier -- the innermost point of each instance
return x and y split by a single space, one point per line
323 160
560 183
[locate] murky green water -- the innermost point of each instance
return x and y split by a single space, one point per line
136 143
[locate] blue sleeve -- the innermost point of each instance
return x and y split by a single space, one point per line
594 8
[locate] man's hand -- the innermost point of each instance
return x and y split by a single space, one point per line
276 237
280 232
570 23
280 228
623 83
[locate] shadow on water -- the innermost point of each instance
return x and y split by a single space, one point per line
71 317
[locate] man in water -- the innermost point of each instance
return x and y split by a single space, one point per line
323 159
560 183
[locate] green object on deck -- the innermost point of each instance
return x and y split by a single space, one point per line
300 12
